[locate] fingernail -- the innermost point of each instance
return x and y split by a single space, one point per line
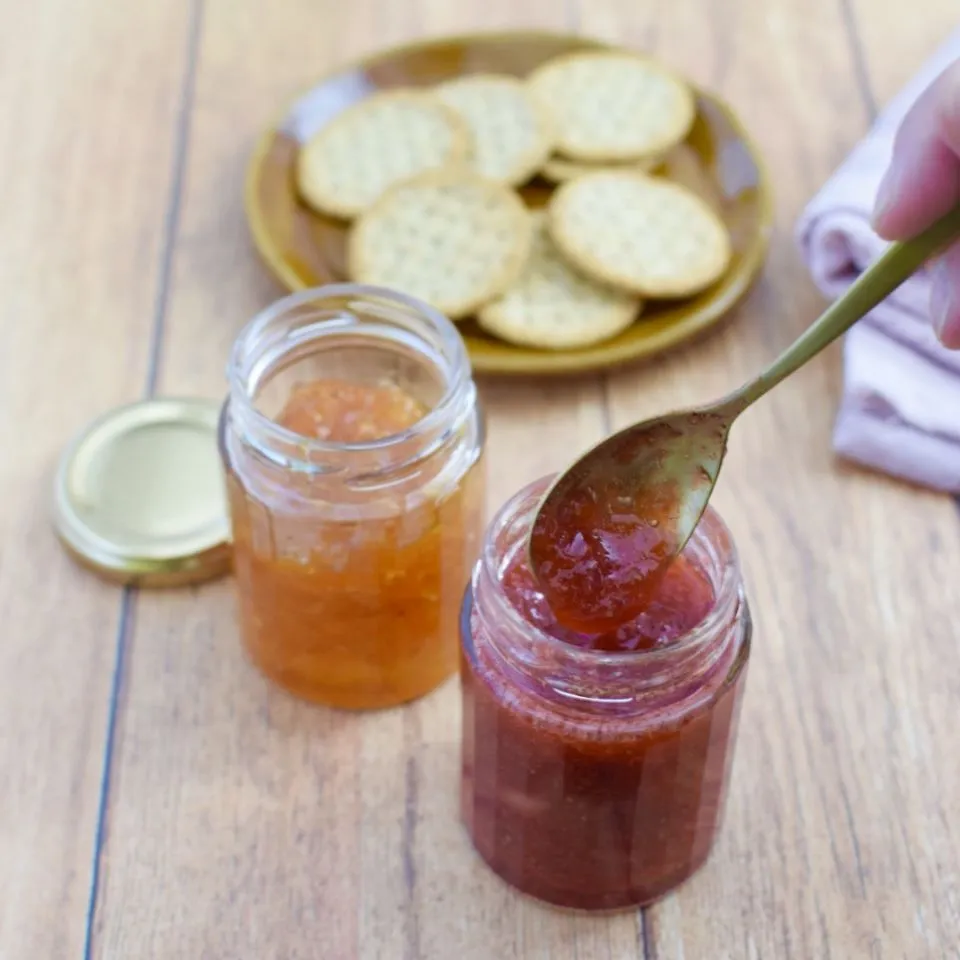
942 294
887 193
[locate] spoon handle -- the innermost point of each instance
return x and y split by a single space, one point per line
899 262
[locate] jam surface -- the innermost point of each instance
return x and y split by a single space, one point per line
683 597
589 782
351 597
340 411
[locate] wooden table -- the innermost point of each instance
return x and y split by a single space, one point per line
159 800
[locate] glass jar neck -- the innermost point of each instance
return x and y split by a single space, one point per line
351 332
668 678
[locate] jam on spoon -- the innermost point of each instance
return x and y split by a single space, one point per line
609 527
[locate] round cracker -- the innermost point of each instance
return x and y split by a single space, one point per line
552 306
643 234
382 140
451 238
511 132
560 169
609 105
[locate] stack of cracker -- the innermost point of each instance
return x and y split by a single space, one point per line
429 180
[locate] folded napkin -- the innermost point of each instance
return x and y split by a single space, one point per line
900 410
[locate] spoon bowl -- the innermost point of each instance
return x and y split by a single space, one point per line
611 523
609 526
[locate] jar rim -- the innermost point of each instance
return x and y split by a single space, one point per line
453 350
728 590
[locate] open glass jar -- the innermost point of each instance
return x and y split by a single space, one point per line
353 541
594 773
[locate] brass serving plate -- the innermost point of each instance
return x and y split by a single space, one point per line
304 249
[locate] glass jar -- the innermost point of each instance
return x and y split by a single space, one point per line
351 557
591 779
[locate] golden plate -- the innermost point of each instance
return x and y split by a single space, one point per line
305 249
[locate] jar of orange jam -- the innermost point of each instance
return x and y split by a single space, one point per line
352 444
595 767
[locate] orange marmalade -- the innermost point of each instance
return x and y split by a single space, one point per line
355 488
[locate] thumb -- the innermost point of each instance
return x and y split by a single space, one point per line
923 180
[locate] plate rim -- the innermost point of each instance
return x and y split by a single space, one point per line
543 363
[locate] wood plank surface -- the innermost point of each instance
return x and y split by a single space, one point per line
90 93
240 823
889 48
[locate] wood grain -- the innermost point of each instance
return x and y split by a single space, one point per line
241 823
90 99
888 50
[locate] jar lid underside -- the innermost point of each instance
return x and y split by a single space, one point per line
139 495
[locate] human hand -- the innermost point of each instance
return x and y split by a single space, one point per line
922 184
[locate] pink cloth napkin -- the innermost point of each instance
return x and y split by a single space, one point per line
900 410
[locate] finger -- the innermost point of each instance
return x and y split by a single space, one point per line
923 181
945 297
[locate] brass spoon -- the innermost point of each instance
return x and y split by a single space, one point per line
611 523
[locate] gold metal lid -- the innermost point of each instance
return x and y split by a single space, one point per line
139 496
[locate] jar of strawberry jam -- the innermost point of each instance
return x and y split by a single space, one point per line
352 444
595 766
